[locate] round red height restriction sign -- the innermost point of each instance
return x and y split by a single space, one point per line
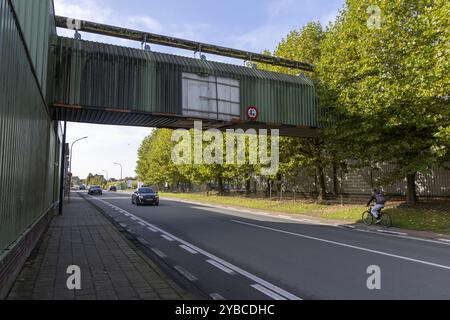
252 113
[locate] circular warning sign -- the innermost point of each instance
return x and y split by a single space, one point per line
252 113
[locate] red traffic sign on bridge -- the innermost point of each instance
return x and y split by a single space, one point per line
252 113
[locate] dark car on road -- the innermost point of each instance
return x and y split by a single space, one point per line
145 195
113 188
95 190
82 187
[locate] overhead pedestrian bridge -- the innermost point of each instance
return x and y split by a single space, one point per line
107 84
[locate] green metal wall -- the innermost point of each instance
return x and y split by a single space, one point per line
96 75
36 20
27 136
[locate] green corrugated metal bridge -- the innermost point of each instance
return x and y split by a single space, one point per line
102 83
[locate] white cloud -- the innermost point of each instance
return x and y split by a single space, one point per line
84 9
259 39
144 23
105 145
330 17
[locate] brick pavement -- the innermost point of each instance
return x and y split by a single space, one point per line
111 267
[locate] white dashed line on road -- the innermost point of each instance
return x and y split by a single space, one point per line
167 237
267 292
151 229
264 284
216 296
220 266
186 273
188 249
159 253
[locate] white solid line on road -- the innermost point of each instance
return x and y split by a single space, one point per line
142 224
133 218
220 266
188 249
404 237
392 232
186 273
159 253
167 237
242 272
259 213
216 296
346 226
346 245
446 240
267 292
151 229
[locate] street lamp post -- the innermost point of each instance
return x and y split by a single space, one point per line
107 175
70 163
121 169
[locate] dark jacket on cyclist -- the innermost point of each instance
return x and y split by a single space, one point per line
378 197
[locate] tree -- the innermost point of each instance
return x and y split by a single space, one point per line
306 45
392 80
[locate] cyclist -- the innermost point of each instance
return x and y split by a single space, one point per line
380 202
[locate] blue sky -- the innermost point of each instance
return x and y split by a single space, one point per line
248 25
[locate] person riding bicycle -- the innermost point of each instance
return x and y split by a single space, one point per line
380 202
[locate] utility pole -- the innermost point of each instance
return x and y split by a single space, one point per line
121 170
62 165
70 163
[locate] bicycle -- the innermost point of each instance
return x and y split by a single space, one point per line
368 219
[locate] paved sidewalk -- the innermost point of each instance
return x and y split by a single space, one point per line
111 268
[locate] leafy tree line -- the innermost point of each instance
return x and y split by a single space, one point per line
383 91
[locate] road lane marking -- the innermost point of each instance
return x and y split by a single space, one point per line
167 237
346 245
216 296
334 225
188 249
242 272
220 266
267 292
392 232
141 223
159 253
186 273
133 218
404 237
142 241
151 229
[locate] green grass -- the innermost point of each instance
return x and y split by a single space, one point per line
277 206
406 218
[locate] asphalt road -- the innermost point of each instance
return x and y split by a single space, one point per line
233 255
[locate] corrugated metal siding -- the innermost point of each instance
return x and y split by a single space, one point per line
26 157
98 75
36 19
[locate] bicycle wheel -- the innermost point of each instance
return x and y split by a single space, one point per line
367 218
386 220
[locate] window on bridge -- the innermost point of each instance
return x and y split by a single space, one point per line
211 97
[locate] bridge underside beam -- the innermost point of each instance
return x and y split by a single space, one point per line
75 113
